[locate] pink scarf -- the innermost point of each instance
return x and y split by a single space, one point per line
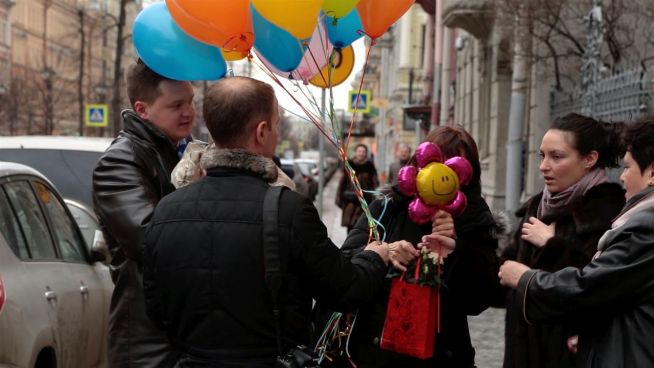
552 202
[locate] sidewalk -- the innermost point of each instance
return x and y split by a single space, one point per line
331 214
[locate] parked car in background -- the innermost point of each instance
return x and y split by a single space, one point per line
309 167
305 184
66 161
54 296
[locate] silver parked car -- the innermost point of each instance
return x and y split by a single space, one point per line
54 296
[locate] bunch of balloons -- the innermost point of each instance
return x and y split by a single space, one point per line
296 39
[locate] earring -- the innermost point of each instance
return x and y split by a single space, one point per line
650 184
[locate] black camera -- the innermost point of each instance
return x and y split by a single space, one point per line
298 357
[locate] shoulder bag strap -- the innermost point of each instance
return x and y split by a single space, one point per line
272 263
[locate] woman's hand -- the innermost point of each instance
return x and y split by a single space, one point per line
510 273
536 232
443 245
443 224
401 253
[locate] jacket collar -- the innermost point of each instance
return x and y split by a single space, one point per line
144 130
239 159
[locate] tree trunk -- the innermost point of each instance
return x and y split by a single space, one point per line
116 99
80 78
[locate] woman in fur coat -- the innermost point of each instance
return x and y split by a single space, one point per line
560 228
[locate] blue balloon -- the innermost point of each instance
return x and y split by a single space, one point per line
167 50
343 31
279 47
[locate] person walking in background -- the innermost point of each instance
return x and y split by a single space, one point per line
469 272
611 298
346 197
560 228
403 156
128 181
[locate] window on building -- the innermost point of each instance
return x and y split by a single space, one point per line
4 32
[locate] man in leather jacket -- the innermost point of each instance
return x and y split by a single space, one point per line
128 181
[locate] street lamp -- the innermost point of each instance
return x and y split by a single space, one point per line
48 75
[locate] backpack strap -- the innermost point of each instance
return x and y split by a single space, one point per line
272 263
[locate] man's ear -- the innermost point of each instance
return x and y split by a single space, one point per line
141 109
261 131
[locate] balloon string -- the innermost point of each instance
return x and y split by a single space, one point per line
313 118
372 222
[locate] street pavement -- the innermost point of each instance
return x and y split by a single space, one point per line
486 330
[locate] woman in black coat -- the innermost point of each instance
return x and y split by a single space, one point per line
612 296
346 197
470 271
560 227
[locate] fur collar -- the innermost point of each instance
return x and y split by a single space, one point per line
239 158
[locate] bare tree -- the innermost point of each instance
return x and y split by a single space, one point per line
116 99
559 32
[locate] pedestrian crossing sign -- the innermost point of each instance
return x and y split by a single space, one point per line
96 115
361 104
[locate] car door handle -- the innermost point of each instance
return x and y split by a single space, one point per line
50 295
84 290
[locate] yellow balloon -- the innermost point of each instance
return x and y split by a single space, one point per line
437 183
341 65
233 55
297 17
338 8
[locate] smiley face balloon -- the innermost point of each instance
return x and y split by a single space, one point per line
435 184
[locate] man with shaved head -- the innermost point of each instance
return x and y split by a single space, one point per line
205 273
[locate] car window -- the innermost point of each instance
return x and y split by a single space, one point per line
10 229
31 220
67 238
86 222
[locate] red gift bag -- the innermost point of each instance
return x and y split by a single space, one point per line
411 319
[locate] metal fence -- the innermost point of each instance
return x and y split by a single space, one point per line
623 96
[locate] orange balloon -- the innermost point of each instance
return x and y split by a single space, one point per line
341 64
226 24
297 17
233 55
378 15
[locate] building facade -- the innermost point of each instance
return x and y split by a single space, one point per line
60 57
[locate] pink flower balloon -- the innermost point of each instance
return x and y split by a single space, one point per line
428 152
462 167
406 180
420 211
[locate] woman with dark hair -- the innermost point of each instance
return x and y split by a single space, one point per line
346 197
560 228
612 297
469 272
